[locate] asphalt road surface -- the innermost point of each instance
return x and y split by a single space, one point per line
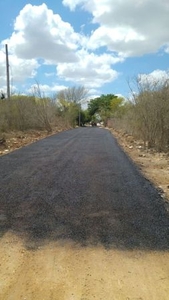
79 186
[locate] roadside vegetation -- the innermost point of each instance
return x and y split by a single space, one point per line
145 115
106 107
37 112
24 119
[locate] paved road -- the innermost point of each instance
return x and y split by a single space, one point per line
80 186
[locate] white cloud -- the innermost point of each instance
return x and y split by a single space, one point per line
19 69
49 74
120 96
91 70
127 26
125 41
167 48
157 77
41 37
39 33
148 82
3 67
46 89
93 92
73 3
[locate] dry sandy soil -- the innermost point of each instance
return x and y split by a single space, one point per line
63 271
16 140
66 272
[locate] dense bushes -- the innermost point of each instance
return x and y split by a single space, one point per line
147 116
33 113
24 113
151 118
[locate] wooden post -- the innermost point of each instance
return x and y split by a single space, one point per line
7 72
79 114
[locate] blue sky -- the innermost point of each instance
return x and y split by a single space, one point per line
98 44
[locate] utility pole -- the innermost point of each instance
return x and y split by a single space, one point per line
7 72
79 114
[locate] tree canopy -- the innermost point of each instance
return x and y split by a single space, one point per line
101 103
104 106
75 94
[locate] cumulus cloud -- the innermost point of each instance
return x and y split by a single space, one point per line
46 89
91 70
3 67
72 4
39 33
124 28
167 48
41 37
155 78
19 69
127 26
22 69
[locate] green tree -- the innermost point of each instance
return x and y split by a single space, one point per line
117 106
102 106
